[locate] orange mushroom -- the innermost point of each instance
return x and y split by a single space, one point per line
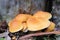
17 23
35 24
51 27
42 14
32 23
22 17
15 26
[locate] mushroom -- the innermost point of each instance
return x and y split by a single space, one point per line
35 24
15 26
24 27
17 23
51 27
42 14
22 17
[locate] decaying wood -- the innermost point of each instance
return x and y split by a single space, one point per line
40 33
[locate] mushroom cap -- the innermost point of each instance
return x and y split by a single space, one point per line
51 27
17 23
22 17
42 14
15 26
35 24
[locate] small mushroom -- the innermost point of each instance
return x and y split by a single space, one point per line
17 23
14 38
35 24
51 27
42 14
15 26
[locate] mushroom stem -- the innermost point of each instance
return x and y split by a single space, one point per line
40 33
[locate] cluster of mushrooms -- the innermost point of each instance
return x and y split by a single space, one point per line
37 21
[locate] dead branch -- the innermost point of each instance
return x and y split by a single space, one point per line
40 33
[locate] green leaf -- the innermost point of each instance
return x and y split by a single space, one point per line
2 38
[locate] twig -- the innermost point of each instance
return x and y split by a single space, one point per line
40 33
